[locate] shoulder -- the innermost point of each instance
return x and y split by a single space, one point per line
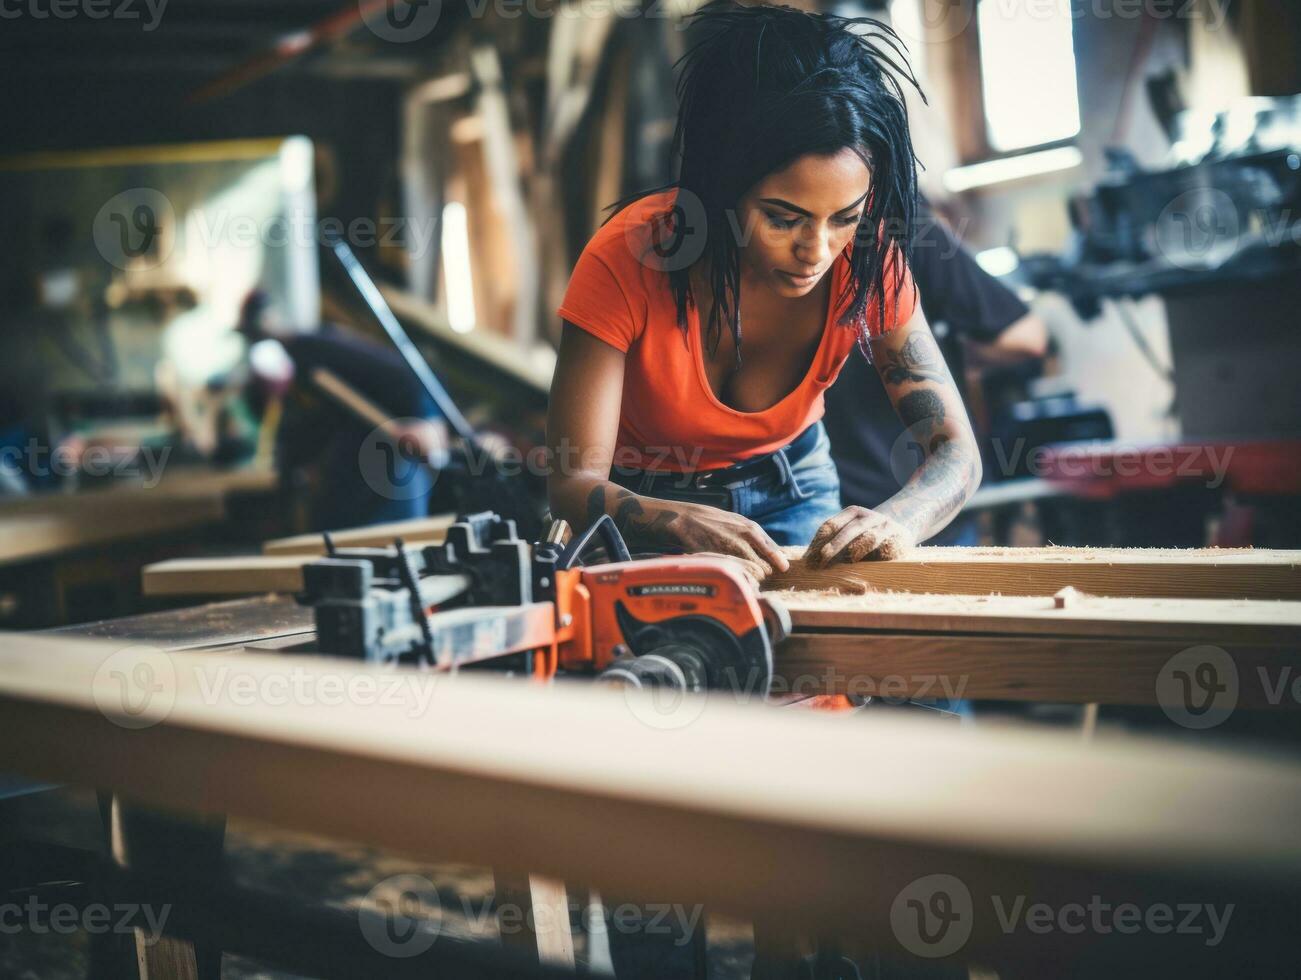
633 240
619 282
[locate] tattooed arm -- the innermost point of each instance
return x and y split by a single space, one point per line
937 440
582 426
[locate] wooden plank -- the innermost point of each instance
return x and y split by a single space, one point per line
238 575
531 366
48 524
1195 620
70 523
355 402
416 530
1208 573
818 824
1112 670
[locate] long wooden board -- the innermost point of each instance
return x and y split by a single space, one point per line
1194 620
239 575
800 822
1075 670
416 531
1209 573
47 524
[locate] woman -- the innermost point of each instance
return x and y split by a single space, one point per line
787 230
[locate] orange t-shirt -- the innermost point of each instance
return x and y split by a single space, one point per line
671 419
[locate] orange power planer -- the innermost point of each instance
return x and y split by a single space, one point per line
484 599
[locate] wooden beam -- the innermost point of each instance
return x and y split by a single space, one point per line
1208 573
417 530
819 824
1111 670
239 575
47 524
1271 622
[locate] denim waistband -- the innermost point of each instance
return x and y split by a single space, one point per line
776 463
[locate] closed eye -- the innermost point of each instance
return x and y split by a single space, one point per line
785 223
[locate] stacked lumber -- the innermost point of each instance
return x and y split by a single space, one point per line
1079 625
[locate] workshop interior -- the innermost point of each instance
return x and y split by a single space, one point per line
326 651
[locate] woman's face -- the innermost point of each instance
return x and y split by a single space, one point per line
795 222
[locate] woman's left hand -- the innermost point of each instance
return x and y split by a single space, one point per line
859 533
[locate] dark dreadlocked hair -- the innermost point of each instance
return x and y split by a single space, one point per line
768 84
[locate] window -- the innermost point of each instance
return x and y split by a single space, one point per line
1027 68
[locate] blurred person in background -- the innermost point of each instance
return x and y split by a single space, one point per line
359 476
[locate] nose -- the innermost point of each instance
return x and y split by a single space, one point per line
813 247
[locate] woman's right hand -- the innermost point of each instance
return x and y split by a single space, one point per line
696 528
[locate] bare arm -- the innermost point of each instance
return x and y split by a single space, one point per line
582 426
938 436
1026 339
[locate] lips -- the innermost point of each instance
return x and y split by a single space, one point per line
801 277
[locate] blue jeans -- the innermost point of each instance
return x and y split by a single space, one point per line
789 494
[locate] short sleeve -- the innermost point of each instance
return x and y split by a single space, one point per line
597 302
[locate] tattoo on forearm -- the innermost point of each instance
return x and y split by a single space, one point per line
922 411
937 490
630 516
595 504
917 360
633 523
